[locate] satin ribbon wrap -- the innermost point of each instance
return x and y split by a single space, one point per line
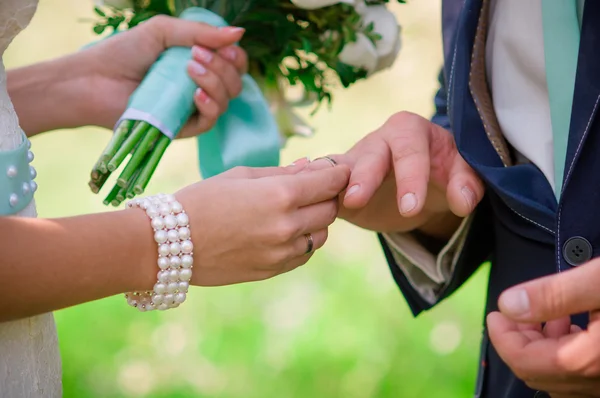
245 135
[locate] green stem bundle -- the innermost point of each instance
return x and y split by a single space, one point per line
146 144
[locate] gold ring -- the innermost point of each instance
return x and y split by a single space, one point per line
310 243
329 159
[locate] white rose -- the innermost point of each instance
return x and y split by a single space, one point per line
361 54
386 26
314 4
118 4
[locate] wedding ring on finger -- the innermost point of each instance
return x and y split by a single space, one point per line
328 159
310 243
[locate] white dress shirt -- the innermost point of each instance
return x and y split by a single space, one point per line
516 73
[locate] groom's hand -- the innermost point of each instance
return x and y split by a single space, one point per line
406 175
117 66
558 358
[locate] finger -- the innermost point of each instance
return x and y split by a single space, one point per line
305 189
316 217
465 189
295 263
552 297
262 172
575 329
208 109
237 56
210 83
557 328
300 245
408 139
175 32
228 77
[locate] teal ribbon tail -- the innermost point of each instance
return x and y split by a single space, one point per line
245 135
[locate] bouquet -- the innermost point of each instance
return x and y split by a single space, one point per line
310 45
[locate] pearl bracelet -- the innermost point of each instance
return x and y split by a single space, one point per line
175 254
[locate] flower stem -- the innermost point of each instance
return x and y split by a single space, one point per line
138 156
112 195
136 135
120 134
150 165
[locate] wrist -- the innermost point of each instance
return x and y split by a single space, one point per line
144 268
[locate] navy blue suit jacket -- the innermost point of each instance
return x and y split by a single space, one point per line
519 225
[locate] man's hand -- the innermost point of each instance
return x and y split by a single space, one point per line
558 358
407 175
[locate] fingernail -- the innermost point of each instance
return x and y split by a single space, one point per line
514 302
408 203
301 161
202 54
202 96
469 196
230 53
197 69
233 29
352 190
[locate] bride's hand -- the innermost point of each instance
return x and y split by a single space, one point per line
117 66
250 224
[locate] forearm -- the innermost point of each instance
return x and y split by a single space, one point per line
52 264
47 96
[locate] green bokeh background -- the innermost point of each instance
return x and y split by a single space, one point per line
337 327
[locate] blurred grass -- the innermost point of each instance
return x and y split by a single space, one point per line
335 328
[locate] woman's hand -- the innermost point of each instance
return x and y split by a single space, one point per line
251 224
93 86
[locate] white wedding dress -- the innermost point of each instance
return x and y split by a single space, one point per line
29 356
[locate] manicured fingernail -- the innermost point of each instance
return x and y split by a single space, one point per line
469 196
233 29
515 302
202 54
202 96
301 161
197 69
408 203
230 53
352 190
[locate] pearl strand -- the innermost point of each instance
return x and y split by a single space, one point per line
175 254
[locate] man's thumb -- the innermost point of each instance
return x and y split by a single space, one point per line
552 297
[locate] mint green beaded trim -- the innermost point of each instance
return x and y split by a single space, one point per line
16 178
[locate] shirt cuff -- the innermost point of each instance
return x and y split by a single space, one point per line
427 273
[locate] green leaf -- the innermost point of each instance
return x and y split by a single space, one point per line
99 29
98 11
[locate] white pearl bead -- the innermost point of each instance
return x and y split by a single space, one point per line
163 276
26 188
150 307
13 199
176 207
30 156
174 275
169 298
187 261
11 172
185 274
145 204
170 221
180 298
175 262
152 213
183 286
163 307
183 220
164 209
163 263
187 246
164 250
34 186
157 222
175 305
141 308
32 172
158 299
168 198
160 288
28 144
184 233
172 287
173 235
175 248
160 236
